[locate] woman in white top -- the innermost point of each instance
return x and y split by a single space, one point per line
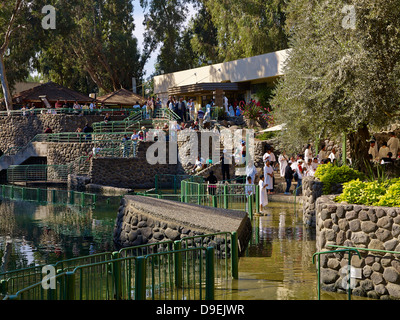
283 162
263 193
251 171
332 155
190 106
268 175
308 153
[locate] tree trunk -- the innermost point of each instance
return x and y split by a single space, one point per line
359 146
4 84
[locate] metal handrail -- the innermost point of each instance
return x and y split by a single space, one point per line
65 265
349 250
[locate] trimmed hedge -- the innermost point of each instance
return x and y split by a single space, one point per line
329 175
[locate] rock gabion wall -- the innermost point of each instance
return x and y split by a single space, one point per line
17 131
143 220
377 273
312 190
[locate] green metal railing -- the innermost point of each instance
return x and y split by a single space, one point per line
349 250
52 196
39 172
226 196
169 182
135 121
115 271
54 111
139 278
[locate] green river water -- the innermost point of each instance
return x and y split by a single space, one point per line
277 264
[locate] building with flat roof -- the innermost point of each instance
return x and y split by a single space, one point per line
238 79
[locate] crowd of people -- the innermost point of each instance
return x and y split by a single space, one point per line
306 164
387 153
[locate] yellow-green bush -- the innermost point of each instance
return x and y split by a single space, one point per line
373 193
330 174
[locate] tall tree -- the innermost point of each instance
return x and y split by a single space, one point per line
248 27
164 22
18 33
93 37
204 39
342 74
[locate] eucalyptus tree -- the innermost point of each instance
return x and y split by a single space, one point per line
19 25
93 44
342 73
247 28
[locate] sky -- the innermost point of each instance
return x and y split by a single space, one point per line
139 31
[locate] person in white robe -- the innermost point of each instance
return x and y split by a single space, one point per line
308 153
251 170
268 175
263 193
283 162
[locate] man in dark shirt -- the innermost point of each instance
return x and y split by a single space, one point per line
288 177
212 183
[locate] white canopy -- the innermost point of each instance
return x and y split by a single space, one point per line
275 128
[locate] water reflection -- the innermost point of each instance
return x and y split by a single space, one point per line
35 234
278 262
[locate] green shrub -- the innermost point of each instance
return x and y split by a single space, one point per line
329 175
266 135
373 193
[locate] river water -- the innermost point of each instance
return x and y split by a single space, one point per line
277 264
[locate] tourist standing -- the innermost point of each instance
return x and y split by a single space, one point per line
383 151
212 183
299 171
263 193
308 153
323 154
251 171
332 156
126 147
393 144
200 116
373 151
149 108
288 177
225 166
268 175
190 107
136 107
283 162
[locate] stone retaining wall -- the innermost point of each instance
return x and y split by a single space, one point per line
312 190
144 220
378 274
17 131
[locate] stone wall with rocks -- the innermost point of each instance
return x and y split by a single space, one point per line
312 190
17 131
64 153
377 274
144 220
132 173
